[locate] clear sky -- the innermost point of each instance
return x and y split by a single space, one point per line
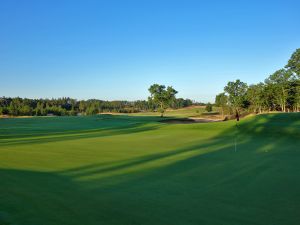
114 50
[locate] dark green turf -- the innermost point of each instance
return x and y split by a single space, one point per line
126 170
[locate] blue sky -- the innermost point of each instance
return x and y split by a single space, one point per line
117 49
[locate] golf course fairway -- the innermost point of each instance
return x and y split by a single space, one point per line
135 170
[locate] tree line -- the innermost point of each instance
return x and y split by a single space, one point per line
279 92
71 107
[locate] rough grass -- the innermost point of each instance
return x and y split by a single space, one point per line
134 170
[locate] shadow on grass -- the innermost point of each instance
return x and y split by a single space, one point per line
205 183
101 126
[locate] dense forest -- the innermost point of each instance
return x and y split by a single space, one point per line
279 92
70 107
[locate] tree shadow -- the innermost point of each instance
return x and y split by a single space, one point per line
101 126
47 198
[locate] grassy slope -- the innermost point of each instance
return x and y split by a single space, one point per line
193 111
134 170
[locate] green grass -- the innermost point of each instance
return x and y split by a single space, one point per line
128 170
196 111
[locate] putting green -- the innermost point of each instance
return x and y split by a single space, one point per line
132 170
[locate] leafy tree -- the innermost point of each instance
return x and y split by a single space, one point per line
237 92
14 107
280 81
25 110
255 97
268 98
209 107
162 96
181 103
4 111
72 112
222 102
297 96
294 95
39 110
294 63
91 110
82 106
